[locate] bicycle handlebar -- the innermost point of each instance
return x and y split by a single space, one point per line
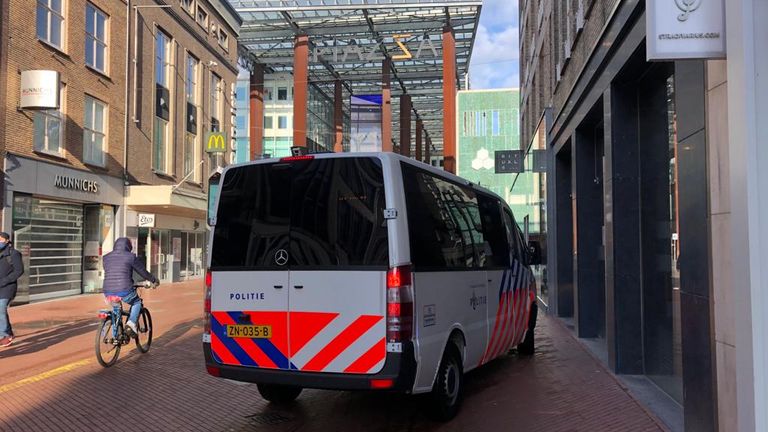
146 284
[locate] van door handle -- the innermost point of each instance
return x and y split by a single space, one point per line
299 286
278 287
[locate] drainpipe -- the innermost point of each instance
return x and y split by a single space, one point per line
127 118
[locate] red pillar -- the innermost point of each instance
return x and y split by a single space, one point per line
419 131
386 106
405 125
300 90
449 99
256 111
338 118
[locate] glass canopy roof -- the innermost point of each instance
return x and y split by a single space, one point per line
350 38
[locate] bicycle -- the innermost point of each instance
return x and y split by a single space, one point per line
111 334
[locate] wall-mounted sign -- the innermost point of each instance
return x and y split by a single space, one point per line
146 220
76 184
685 29
215 142
39 89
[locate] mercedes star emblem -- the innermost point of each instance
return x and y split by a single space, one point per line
281 257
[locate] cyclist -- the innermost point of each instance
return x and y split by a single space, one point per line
119 266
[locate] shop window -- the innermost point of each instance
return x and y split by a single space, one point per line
94 131
50 22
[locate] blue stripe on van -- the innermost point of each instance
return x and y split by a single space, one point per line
231 344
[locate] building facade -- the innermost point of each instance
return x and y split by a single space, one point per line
182 88
627 205
63 166
78 172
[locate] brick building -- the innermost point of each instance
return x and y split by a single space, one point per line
68 179
186 73
627 198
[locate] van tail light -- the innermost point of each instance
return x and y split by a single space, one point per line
207 303
213 371
399 305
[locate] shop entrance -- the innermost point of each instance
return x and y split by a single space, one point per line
172 255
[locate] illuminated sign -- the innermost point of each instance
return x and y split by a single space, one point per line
215 142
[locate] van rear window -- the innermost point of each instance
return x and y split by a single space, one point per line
325 213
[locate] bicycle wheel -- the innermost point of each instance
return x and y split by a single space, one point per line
144 331
107 348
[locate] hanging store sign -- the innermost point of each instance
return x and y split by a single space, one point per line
402 47
685 29
39 89
215 142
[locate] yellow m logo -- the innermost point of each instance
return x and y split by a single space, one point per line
216 143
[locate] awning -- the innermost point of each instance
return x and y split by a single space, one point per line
166 200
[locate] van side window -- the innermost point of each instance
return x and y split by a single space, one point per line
496 243
443 222
514 239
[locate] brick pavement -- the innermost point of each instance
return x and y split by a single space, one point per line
561 388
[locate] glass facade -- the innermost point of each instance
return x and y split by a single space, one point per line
171 255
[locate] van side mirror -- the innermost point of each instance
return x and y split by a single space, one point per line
534 253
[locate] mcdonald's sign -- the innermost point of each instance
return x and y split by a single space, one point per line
215 142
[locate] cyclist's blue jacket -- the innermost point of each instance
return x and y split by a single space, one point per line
119 266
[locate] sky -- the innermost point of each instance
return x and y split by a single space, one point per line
495 57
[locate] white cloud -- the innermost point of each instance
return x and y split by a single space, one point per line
500 13
495 58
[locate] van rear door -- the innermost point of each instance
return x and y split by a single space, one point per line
318 233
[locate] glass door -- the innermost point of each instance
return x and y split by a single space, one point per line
162 255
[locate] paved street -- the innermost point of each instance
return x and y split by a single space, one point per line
52 382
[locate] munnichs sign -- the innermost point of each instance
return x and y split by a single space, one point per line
39 89
76 184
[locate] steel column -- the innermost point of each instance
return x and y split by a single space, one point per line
449 99
405 125
256 111
300 90
419 132
338 117
386 106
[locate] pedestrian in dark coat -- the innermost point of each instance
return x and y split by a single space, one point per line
11 268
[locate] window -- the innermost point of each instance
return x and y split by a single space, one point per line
495 126
50 22
282 122
515 237
215 103
444 223
162 59
191 141
269 92
49 129
163 97
282 93
96 38
496 245
188 5
328 212
480 123
223 39
268 122
202 17
94 131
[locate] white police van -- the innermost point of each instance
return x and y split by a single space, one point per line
362 271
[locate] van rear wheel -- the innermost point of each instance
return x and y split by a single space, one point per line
527 346
279 394
446 396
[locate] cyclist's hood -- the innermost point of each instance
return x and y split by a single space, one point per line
123 244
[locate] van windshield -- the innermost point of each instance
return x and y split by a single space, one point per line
325 213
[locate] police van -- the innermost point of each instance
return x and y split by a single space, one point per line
362 271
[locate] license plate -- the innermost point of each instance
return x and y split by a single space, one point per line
249 331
